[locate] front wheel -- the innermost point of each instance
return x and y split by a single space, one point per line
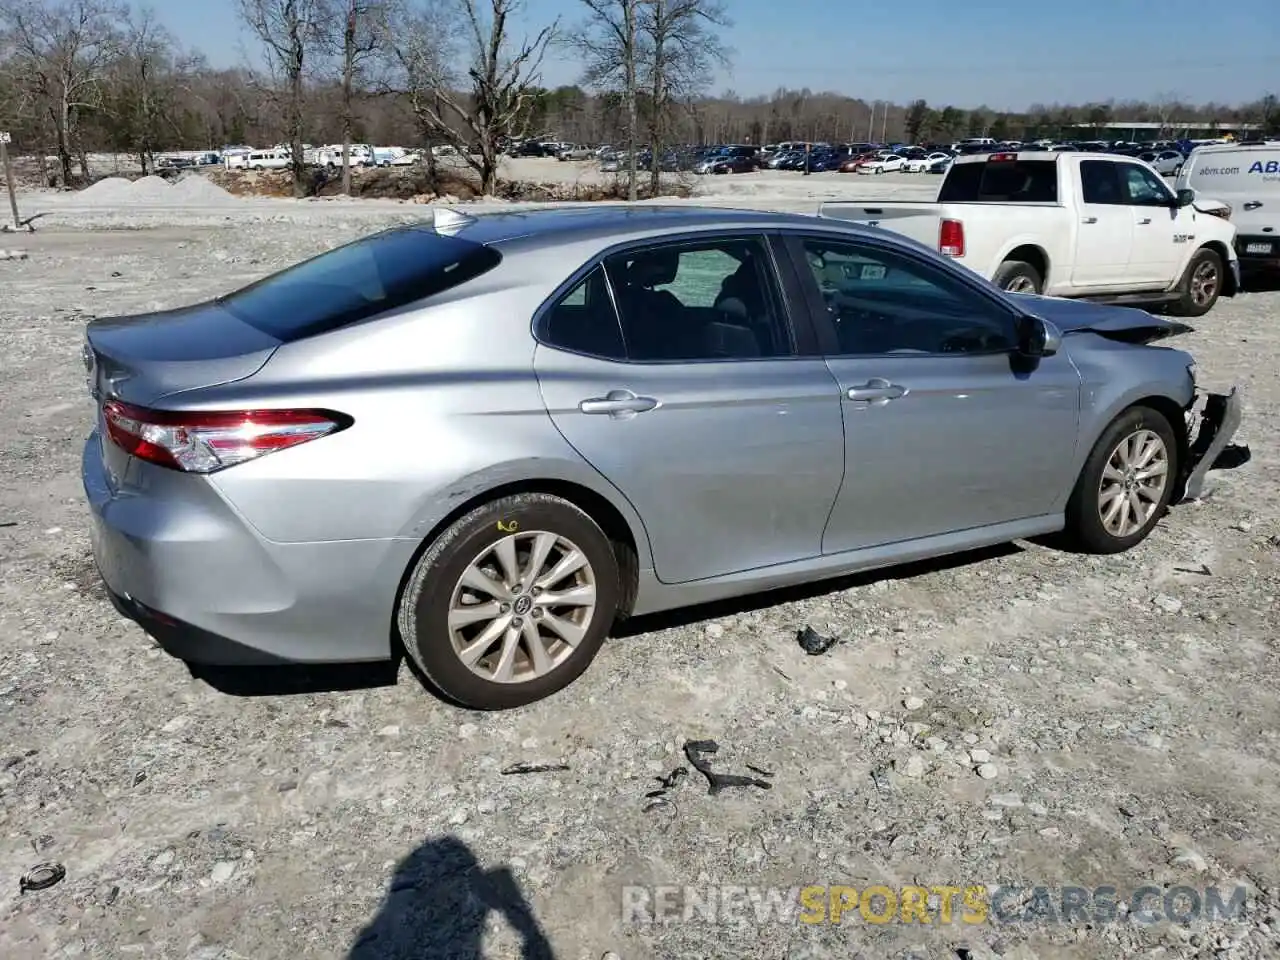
1201 285
1126 483
511 603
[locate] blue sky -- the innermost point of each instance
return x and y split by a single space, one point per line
1004 53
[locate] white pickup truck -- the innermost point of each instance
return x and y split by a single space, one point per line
1085 225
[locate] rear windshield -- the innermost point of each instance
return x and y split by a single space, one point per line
1001 181
357 281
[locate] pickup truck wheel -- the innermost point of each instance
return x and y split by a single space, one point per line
1201 285
1015 276
1126 483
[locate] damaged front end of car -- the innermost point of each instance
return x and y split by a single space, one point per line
1211 422
1211 419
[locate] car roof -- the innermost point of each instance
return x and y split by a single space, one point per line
621 221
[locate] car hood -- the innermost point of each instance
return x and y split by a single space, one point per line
1128 324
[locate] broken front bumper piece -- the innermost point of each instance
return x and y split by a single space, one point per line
1210 429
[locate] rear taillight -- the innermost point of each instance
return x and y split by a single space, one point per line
951 238
204 441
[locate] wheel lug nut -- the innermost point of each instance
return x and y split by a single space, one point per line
505 608
518 588
517 622
537 612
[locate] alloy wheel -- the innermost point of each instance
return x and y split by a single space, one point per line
522 606
1021 285
1133 483
1204 283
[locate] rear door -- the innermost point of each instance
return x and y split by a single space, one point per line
944 431
1104 236
673 367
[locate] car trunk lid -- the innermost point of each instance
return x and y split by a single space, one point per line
142 359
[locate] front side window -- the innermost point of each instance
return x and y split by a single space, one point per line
1143 186
708 300
881 302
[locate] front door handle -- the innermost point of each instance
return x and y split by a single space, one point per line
1253 205
877 391
1089 220
619 404
1144 222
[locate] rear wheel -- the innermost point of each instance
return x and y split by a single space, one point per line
511 603
1126 483
1201 285
1015 276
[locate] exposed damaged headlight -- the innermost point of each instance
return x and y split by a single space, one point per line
1223 211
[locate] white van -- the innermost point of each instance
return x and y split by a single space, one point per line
1246 177
267 160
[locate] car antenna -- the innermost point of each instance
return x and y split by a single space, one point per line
448 222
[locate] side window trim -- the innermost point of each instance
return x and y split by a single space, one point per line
788 315
828 341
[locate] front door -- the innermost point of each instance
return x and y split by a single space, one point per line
1161 230
1105 229
943 430
696 405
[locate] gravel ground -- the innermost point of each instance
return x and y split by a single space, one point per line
1022 716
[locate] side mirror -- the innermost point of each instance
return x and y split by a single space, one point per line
1185 197
1038 337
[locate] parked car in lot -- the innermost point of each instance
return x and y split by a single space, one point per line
890 164
921 164
576 152
673 400
1070 225
1246 180
1165 162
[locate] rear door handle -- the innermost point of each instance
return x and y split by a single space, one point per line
1089 220
619 404
877 391
1143 222
1253 205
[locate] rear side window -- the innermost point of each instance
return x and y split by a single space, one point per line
1001 181
357 281
1100 182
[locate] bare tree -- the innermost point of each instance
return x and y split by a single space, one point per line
503 79
61 52
419 42
609 45
289 31
356 32
143 83
682 49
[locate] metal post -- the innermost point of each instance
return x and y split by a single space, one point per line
5 139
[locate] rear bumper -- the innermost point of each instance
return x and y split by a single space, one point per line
1265 250
1211 434
178 560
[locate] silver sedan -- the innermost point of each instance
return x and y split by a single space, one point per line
488 438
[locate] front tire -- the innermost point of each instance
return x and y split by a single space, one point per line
1015 276
511 603
1126 484
1201 285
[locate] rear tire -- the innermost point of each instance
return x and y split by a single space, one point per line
1201 285
1015 276
1120 496
542 634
